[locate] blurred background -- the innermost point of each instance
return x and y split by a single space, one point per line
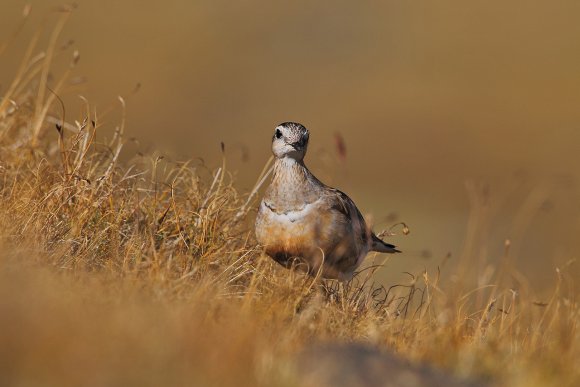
461 119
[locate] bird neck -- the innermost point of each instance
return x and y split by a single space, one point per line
293 184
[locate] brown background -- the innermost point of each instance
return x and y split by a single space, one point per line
427 95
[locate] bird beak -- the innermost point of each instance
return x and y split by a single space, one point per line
299 145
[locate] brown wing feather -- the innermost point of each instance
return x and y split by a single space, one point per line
346 206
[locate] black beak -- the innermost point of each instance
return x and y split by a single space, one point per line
299 145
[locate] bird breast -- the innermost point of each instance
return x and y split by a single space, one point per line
295 232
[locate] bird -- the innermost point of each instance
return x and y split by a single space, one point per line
303 223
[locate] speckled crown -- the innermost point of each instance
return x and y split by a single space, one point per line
293 132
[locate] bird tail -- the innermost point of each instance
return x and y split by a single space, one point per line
382 247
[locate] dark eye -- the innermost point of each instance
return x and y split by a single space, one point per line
278 133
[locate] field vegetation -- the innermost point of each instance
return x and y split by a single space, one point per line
146 272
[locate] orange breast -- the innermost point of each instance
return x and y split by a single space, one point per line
301 237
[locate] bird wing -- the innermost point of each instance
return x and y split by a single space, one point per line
342 203
339 201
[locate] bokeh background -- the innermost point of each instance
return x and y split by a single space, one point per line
461 119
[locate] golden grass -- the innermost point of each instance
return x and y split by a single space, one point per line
147 273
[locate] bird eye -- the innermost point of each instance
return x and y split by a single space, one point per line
278 133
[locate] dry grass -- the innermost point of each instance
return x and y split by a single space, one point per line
144 273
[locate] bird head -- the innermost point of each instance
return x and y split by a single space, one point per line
290 140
